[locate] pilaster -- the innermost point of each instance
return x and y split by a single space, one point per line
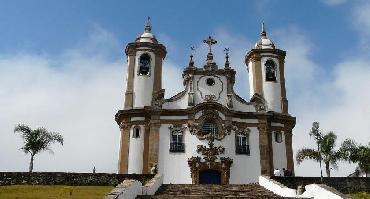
124 149
289 150
265 148
129 95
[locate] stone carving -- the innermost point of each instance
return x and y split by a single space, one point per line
242 131
259 103
223 128
158 99
124 125
210 154
229 100
209 98
218 92
177 128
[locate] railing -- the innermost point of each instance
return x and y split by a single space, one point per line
177 147
242 149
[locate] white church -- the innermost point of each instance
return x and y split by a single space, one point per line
207 133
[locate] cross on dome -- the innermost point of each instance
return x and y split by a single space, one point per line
263 31
210 41
148 27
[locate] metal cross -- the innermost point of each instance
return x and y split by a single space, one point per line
226 50
210 41
192 50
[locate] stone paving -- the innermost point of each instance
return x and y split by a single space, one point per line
211 191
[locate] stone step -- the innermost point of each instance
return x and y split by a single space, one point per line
211 191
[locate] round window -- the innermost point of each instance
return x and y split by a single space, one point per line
210 81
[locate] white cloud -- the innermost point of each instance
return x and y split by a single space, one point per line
361 22
336 98
76 94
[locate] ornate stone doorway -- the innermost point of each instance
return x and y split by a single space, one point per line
209 176
209 170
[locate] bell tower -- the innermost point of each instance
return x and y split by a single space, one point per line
144 57
139 143
265 64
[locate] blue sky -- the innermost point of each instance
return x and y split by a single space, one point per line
62 66
51 26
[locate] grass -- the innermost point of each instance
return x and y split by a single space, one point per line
53 191
361 195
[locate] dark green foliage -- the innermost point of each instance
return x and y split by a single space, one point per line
355 153
37 140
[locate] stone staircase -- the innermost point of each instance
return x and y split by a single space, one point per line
211 191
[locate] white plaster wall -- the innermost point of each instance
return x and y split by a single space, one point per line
245 168
218 89
279 153
317 192
251 88
174 166
129 189
276 187
239 106
153 185
137 118
181 103
271 90
143 84
135 155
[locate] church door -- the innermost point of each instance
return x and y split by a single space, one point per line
209 177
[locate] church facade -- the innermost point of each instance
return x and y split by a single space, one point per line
206 133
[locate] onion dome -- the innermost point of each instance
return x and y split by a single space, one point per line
264 42
147 36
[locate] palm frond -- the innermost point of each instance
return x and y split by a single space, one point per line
306 153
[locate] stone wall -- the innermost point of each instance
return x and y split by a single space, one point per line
343 184
75 179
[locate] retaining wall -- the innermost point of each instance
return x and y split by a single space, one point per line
343 184
75 179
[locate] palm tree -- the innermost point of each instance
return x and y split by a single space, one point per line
325 152
37 140
355 153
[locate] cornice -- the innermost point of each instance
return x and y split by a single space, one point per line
158 49
148 112
255 54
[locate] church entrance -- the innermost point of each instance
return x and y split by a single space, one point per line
209 176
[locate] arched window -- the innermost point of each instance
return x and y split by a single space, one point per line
177 139
209 127
136 132
278 137
270 67
144 64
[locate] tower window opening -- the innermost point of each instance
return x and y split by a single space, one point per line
278 137
177 142
144 64
210 128
270 67
242 144
136 132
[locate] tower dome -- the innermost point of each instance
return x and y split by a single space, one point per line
147 36
264 42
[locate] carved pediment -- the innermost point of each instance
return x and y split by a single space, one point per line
222 128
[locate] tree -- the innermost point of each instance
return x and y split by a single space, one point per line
37 140
325 151
355 153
